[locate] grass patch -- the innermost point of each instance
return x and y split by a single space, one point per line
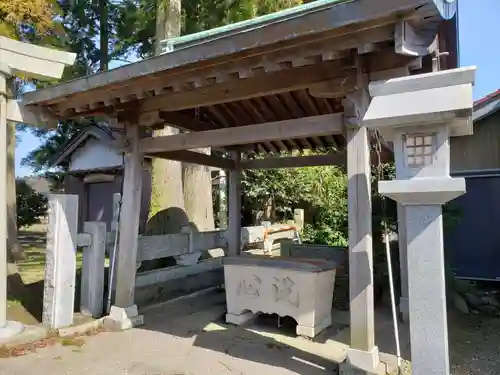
13 302
73 341
32 269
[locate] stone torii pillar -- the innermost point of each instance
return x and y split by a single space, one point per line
33 62
419 114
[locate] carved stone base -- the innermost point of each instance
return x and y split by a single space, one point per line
361 359
299 288
124 318
313 331
240 319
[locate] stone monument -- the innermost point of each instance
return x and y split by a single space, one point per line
419 114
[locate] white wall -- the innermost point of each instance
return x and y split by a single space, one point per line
94 155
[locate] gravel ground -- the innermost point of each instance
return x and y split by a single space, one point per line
474 344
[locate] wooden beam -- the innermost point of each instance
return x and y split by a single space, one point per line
288 129
334 88
294 161
176 120
261 85
129 221
194 157
185 122
360 225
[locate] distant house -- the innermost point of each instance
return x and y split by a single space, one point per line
95 172
474 243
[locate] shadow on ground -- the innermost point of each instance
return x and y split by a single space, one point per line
261 341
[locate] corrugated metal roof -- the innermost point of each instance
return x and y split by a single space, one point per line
486 106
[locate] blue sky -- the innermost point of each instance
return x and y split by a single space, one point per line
478 46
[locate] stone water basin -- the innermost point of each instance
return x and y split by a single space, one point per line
296 287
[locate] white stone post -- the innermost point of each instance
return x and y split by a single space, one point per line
124 313
60 261
234 207
419 114
92 288
298 219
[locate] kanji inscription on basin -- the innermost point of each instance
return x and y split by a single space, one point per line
285 288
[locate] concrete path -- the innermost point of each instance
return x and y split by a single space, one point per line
184 338
189 337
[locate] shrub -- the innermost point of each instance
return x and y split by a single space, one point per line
31 206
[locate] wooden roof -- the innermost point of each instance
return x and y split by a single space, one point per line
283 67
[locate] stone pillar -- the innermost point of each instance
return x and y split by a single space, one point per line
92 289
7 328
234 207
124 312
419 114
362 354
298 219
404 303
60 261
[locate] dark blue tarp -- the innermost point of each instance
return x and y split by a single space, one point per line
473 244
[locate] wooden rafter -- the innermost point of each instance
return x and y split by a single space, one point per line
264 84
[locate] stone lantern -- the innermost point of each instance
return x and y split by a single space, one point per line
419 114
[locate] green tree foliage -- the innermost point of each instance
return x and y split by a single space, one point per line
130 32
81 23
321 191
137 25
29 20
31 206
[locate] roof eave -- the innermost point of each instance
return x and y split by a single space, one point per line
334 15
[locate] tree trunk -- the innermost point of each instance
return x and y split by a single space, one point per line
198 195
166 213
103 35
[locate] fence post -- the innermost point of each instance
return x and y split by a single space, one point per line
298 218
92 289
60 261
192 257
117 197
